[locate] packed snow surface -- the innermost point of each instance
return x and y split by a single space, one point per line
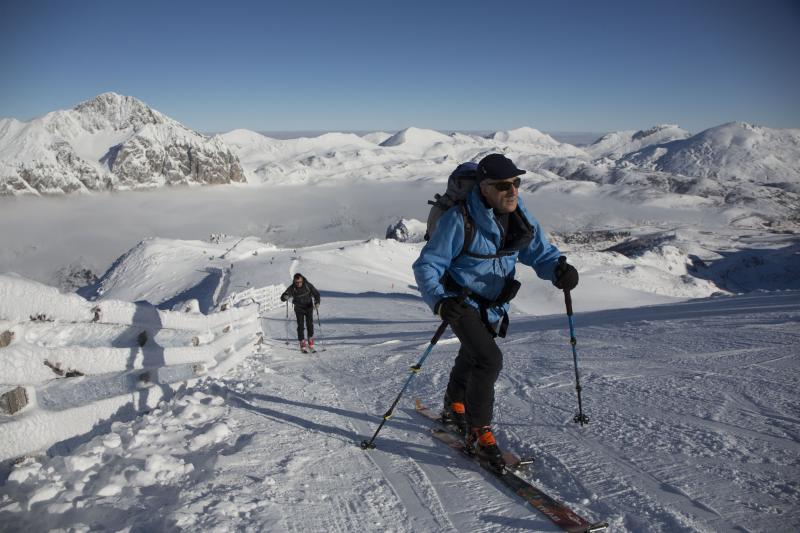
692 406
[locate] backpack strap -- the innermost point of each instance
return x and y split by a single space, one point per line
469 229
469 235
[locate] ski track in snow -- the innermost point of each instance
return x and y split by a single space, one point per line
693 427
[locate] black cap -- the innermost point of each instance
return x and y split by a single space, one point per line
497 167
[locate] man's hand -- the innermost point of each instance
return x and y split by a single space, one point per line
450 310
283 298
566 276
316 306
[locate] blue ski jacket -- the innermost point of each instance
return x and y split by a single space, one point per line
485 277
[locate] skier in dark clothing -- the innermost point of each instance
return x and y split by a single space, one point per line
471 290
305 298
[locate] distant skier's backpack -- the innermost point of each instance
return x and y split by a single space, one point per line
459 185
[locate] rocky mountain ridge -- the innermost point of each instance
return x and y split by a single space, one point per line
111 142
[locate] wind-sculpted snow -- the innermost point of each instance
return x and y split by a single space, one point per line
84 365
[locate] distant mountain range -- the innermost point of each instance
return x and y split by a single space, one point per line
115 142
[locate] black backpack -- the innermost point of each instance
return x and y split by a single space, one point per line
459 184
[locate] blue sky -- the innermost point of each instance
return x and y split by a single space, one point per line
381 65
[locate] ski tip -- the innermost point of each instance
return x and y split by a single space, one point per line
598 526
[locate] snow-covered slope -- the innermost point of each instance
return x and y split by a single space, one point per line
414 138
750 174
618 143
376 137
77 364
735 151
111 142
534 141
691 407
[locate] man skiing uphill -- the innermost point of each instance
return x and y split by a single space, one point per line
304 297
466 275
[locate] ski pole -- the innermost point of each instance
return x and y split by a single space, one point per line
579 418
414 371
287 322
319 324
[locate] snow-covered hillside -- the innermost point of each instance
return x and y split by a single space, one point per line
410 154
616 144
692 404
110 142
749 174
733 151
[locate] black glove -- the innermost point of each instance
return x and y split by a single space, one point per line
283 298
566 277
450 310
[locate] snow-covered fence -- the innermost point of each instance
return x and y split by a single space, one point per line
267 298
70 366
22 299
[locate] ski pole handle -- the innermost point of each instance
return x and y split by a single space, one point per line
567 298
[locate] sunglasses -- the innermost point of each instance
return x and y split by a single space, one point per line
506 185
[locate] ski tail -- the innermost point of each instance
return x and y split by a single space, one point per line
558 513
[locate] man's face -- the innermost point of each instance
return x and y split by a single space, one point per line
298 282
502 195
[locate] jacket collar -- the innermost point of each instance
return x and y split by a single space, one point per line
483 217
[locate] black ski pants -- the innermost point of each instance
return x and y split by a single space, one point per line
304 314
476 368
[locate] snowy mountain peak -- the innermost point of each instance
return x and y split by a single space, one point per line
732 132
618 143
661 128
525 134
109 142
117 112
416 136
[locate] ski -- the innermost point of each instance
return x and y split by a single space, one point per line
558 513
511 459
